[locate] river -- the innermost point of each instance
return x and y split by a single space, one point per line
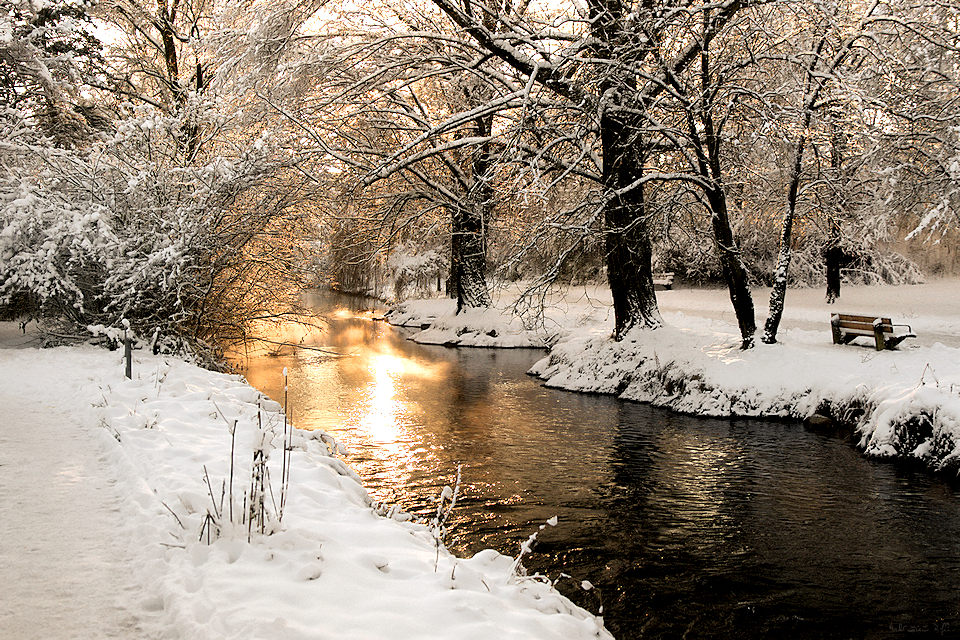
684 526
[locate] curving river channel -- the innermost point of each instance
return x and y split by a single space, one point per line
686 527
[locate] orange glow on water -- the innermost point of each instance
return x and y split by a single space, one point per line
384 415
383 409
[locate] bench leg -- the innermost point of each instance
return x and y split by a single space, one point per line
879 339
837 336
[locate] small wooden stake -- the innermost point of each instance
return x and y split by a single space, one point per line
127 354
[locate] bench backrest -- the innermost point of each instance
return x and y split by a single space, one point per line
863 324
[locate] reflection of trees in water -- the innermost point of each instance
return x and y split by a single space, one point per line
745 529
672 558
472 398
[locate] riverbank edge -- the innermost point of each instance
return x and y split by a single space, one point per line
887 422
885 416
918 435
168 440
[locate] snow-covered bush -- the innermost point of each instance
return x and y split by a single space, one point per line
415 272
123 229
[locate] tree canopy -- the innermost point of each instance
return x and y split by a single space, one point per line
177 174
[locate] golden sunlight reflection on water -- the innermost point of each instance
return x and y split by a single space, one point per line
361 396
381 415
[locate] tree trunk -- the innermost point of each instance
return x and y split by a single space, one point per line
628 246
468 259
731 264
711 168
779 292
468 256
833 255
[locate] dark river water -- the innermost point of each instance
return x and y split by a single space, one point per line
686 527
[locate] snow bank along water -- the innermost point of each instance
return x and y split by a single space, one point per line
900 403
182 443
903 403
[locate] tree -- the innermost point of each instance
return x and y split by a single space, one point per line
159 60
613 70
689 126
816 72
845 45
181 218
381 113
48 53
111 233
917 89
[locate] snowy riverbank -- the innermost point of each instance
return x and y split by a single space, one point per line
144 469
335 567
903 403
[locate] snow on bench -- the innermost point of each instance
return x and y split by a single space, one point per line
847 327
664 279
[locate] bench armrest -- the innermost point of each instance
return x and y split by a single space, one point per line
909 328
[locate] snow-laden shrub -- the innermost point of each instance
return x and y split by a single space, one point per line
415 272
123 229
55 249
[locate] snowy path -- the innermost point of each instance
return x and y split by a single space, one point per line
932 309
59 576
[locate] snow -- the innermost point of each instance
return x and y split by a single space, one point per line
59 537
147 519
472 328
901 403
124 519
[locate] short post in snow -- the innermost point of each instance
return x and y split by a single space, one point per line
127 349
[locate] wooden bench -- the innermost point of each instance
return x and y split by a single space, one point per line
665 279
847 327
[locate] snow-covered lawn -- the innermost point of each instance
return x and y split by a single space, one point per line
162 537
902 403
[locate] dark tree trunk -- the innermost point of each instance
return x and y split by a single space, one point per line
731 264
468 256
188 137
165 21
468 270
833 256
628 247
629 252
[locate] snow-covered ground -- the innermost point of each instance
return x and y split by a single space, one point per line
125 516
902 403
117 493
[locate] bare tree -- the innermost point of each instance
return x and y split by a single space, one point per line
612 62
843 47
407 124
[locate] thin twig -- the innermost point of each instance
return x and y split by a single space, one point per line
173 514
213 498
233 442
